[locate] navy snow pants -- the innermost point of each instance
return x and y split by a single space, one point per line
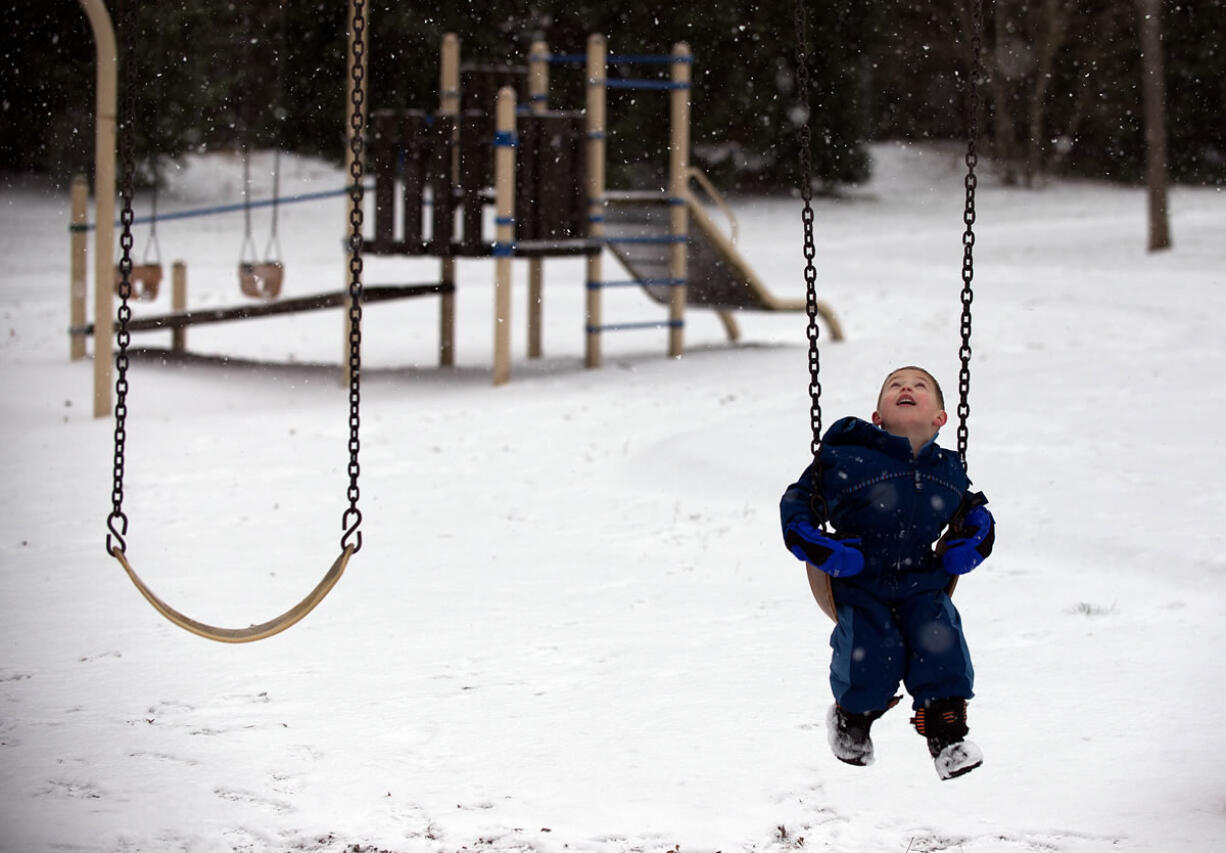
917 641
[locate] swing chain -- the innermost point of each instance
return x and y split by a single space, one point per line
117 521
818 500
968 237
352 518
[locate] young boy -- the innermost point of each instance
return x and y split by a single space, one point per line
889 490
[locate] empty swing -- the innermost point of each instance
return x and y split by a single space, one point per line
819 581
146 277
351 519
262 279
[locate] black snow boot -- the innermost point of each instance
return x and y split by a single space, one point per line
943 723
848 735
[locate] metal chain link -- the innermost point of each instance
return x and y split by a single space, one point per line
968 237
117 521
352 518
818 498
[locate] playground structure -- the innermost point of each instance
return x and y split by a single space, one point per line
544 173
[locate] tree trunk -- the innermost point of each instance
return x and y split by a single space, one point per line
1153 93
1003 133
1050 29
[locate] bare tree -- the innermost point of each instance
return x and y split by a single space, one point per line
1153 94
1049 25
1028 38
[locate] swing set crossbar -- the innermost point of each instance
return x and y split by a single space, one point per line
335 299
192 213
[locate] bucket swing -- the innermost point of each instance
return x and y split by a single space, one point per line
146 277
260 279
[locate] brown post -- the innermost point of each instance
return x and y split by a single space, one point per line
678 171
597 50
504 231
178 302
104 201
538 89
449 104
78 277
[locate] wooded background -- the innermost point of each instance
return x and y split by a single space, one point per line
1062 93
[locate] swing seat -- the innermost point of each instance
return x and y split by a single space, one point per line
252 632
823 591
261 280
144 278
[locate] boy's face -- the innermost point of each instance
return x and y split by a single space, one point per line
908 404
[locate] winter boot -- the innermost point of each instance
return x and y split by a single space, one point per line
943 723
848 735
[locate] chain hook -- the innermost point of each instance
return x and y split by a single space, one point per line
351 529
116 533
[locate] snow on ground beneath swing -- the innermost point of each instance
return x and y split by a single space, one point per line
572 626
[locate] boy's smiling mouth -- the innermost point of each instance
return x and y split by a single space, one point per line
905 400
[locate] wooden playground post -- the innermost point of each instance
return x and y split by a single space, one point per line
78 277
104 201
178 303
350 110
504 231
678 169
538 90
449 104
597 51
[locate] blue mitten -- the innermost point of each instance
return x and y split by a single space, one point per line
838 558
976 534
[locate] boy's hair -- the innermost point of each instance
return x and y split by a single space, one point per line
936 386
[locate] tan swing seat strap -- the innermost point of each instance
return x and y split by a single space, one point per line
254 632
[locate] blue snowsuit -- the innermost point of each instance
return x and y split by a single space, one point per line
896 621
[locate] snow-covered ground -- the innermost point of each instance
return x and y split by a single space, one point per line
572 626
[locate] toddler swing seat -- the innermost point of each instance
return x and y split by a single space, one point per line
145 277
261 280
144 280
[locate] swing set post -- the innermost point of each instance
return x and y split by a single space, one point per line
78 278
679 172
104 198
538 91
178 303
597 52
449 104
504 233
